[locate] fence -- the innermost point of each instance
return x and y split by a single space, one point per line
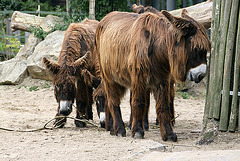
22 37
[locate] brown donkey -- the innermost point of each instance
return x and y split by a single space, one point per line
74 72
143 52
141 9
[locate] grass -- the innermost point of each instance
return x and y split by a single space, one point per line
184 95
33 88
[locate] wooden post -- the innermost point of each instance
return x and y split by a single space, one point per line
67 8
223 124
223 29
224 60
92 9
215 109
210 83
235 106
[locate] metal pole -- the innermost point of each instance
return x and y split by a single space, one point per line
171 5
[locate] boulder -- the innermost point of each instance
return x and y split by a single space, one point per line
49 22
50 48
28 48
14 70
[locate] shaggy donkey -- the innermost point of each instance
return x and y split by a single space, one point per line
74 72
144 52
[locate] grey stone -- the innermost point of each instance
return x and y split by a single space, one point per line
28 48
49 22
49 48
158 147
13 71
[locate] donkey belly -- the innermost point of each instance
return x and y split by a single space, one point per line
115 73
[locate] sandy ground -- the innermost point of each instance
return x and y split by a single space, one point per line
23 109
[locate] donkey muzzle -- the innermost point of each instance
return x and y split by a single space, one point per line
65 107
198 73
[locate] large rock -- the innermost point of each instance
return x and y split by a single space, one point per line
49 48
49 22
28 48
15 70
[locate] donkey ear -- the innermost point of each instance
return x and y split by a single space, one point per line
182 24
137 9
185 15
83 62
50 65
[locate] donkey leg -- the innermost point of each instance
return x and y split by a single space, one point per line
100 98
172 95
145 120
90 102
114 93
108 119
138 107
162 96
82 102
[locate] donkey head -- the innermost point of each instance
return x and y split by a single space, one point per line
190 45
64 80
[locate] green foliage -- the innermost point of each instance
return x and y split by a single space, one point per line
3 45
33 88
13 44
32 5
10 5
103 7
39 32
24 5
184 95
46 85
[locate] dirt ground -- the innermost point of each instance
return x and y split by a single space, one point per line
26 107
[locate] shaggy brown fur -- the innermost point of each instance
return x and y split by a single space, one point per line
141 9
142 52
73 73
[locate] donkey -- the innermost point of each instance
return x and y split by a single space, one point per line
74 74
144 52
141 9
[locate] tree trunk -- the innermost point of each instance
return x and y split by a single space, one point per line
202 12
24 21
92 9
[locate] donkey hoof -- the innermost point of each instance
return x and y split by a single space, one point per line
112 131
80 123
102 124
172 137
146 127
59 123
121 135
121 132
138 135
